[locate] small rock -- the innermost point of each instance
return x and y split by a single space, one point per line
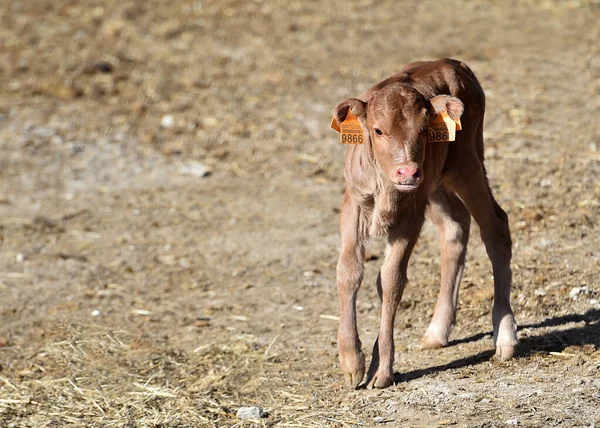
253 412
76 148
201 322
532 214
521 225
209 121
576 291
194 168
20 257
173 148
467 395
98 67
545 182
512 422
594 301
95 312
167 121
381 420
545 243
45 132
540 292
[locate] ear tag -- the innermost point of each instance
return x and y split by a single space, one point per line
334 124
443 129
350 130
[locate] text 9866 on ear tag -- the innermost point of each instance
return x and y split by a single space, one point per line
350 130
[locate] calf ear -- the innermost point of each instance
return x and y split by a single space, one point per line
445 103
356 106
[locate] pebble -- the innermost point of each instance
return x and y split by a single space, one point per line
576 291
512 422
76 148
253 412
194 168
532 214
98 67
545 243
173 148
467 395
44 132
209 121
95 312
167 121
381 420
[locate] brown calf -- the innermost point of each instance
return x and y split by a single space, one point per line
392 179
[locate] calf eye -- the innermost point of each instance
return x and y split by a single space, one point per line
378 131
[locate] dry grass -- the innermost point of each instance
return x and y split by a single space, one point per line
88 375
110 378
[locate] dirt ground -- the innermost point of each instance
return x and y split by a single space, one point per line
136 291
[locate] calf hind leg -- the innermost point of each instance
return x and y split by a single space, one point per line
452 220
493 224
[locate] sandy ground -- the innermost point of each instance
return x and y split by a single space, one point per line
137 291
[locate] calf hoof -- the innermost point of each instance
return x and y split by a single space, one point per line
354 379
505 336
504 353
353 367
429 342
381 379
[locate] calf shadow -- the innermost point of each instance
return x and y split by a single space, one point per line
552 341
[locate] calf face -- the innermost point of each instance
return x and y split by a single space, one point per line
395 121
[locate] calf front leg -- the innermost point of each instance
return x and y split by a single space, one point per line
390 285
452 220
350 269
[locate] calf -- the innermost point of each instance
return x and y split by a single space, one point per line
392 179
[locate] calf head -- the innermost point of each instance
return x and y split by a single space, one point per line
395 121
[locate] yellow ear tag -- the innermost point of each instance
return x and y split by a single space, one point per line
350 130
443 129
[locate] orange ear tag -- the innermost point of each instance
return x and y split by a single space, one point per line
350 130
334 124
443 129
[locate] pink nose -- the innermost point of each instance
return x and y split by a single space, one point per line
408 173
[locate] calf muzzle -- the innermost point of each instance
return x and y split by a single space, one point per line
409 175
